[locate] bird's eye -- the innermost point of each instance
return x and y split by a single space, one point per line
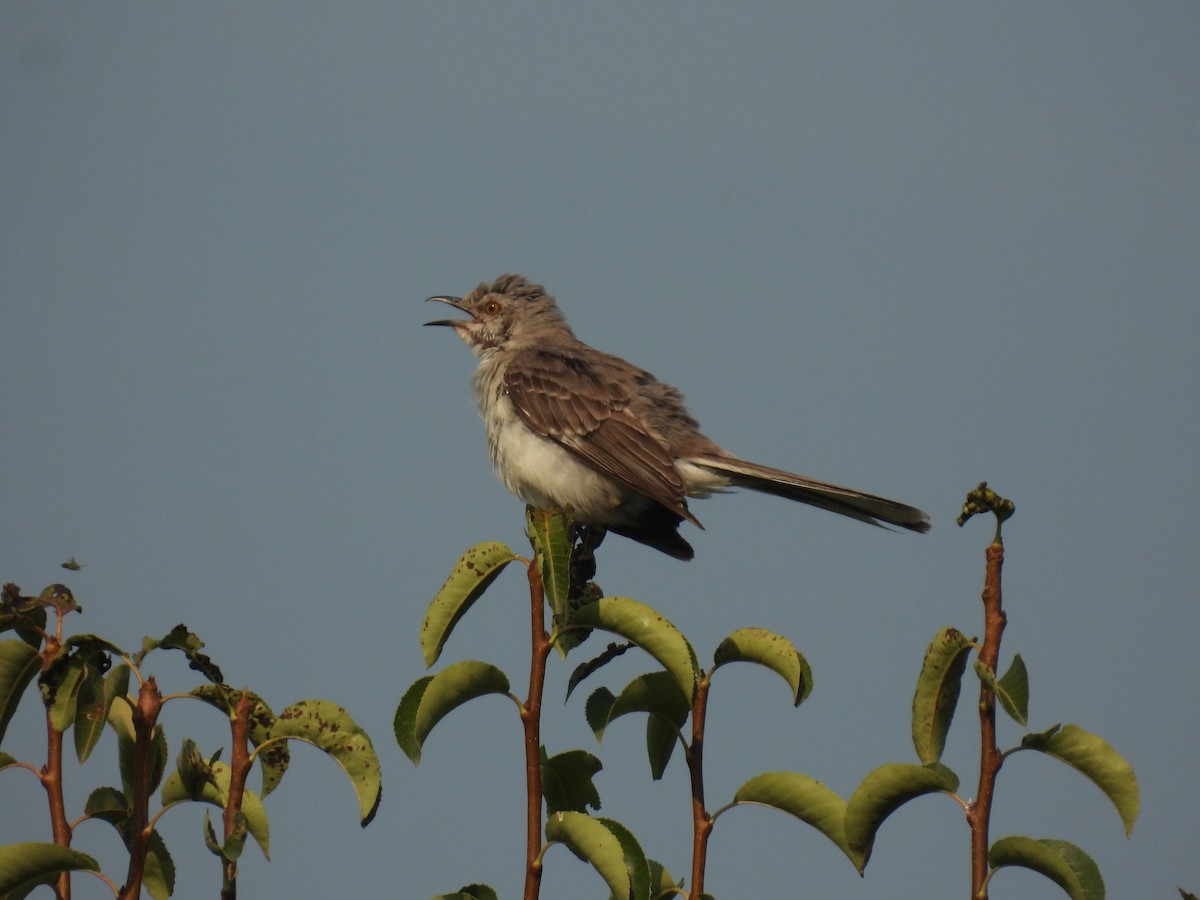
491 307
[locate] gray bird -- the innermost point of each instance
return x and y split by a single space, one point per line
568 424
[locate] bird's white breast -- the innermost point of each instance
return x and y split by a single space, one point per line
537 469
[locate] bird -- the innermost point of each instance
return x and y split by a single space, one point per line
569 425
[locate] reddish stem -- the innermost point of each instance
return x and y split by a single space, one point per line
702 822
979 815
531 719
239 770
52 781
145 715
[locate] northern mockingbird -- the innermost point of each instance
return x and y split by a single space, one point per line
568 424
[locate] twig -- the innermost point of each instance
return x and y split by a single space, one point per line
702 822
52 781
531 719
239 769
984 499
145 715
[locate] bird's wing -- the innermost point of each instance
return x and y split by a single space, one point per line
584 406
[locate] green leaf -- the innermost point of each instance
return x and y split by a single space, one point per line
566 637
81 660
635 860
193 771
470 577
22 615
60 686
109 805
159 876
431 699
405 721
1062 862
330 728
549 532
661 739
594 843
1094 758
181 786
881 793
176 789
273 760
661 880
25 866
221 696
92 646
210 837
19 663
95 700
179 638
656 693
597 710
937 693
233 845
1012 690
60 598
567 781
805 798
640 624
6 760
91 715
777 653
1187 895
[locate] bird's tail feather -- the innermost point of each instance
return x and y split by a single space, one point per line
846 501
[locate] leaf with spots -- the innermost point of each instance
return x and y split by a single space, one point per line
774 651
273 759
470 577
936 696
328 727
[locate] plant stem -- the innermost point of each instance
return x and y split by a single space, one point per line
239 769
52 773
979 815
52 781
701 821
531 719
145 715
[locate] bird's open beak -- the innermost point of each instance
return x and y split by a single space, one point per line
456 302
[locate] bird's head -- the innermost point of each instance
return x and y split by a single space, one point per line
511 312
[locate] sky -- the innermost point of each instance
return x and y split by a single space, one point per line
904 247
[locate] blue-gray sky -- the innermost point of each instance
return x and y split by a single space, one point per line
902 247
